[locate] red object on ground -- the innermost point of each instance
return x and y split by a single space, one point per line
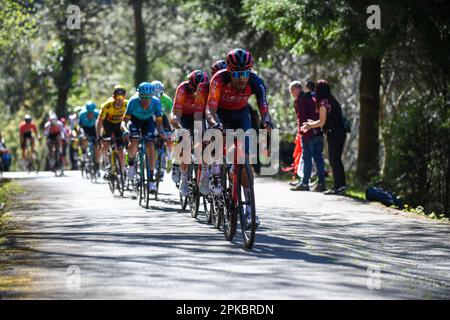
297 152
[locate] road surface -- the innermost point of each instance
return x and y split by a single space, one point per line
77 241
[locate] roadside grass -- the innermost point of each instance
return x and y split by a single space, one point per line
358 192
10 282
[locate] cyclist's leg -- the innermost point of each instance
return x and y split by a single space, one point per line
187 121
134 128
147 129
119 144
23 146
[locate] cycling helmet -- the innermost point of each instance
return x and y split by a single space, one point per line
239 59
159 87
119 90
218 65
27 118
90 106
53 118
146 89
195 78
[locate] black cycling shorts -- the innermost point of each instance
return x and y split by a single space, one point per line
110 129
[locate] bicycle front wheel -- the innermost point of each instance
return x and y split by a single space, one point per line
246 206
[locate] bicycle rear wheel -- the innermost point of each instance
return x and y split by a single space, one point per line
248 229
111 176
158 174
120 182
194 194
229 211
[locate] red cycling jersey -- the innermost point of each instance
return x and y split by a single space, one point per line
185 100
201 96
223 95
27 127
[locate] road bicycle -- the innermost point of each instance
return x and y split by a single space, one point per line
56 162
231 204
113 168
160 167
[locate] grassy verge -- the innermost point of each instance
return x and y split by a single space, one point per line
10 281
358 192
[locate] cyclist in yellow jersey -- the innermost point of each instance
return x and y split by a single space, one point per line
111 114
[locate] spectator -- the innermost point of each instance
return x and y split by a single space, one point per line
295 88
5 155
333 126
312 87
312 141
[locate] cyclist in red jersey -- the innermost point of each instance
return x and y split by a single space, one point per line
227 106
201 99
26 129
184 113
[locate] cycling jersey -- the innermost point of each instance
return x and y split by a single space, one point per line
110 113
223 95
27 128
201 96
84 119
185 100
51 131
166 103
136 111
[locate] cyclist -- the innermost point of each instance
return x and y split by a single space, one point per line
54 134
166 105
111 114
184 113
87 119
26 130
201 98
227 104
137 121
66 141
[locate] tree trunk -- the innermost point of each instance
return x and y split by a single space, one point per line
64 78
140 71
368 149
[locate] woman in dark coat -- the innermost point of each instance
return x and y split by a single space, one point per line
334 128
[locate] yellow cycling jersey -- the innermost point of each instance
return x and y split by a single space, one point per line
111 113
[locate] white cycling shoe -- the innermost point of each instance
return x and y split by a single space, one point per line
184 188
131 173
152 187
176 173
248 217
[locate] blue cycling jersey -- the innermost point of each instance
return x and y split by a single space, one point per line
135 110
84 121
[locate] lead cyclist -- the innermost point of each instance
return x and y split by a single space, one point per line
227 106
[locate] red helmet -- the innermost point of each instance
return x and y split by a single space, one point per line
196 77
239 59
218 65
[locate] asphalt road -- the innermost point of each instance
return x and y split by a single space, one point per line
78 241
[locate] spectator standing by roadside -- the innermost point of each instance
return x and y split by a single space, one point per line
333 127
295 88
5 155
312 140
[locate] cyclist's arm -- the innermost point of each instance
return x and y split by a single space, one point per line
259 89
176 119
99 126
177 112
213 102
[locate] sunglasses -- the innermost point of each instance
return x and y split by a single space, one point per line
238 74
145 97
119 96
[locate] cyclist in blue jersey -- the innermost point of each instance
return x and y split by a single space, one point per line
87 119
138 120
